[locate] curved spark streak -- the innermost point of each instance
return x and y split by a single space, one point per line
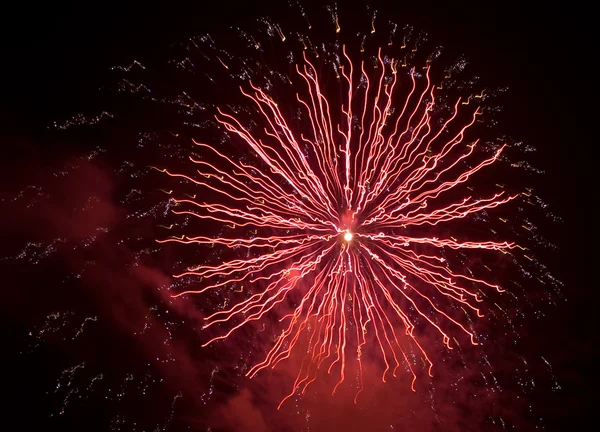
313 192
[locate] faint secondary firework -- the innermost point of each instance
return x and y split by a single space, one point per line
353 203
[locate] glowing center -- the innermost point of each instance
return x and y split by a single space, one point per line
348 236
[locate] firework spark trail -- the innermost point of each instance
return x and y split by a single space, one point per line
328 201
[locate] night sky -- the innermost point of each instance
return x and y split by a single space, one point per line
85 312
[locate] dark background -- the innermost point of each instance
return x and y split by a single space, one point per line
54 59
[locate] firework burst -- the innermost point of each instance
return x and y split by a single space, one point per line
336 214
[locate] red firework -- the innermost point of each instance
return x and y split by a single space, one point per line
336 217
